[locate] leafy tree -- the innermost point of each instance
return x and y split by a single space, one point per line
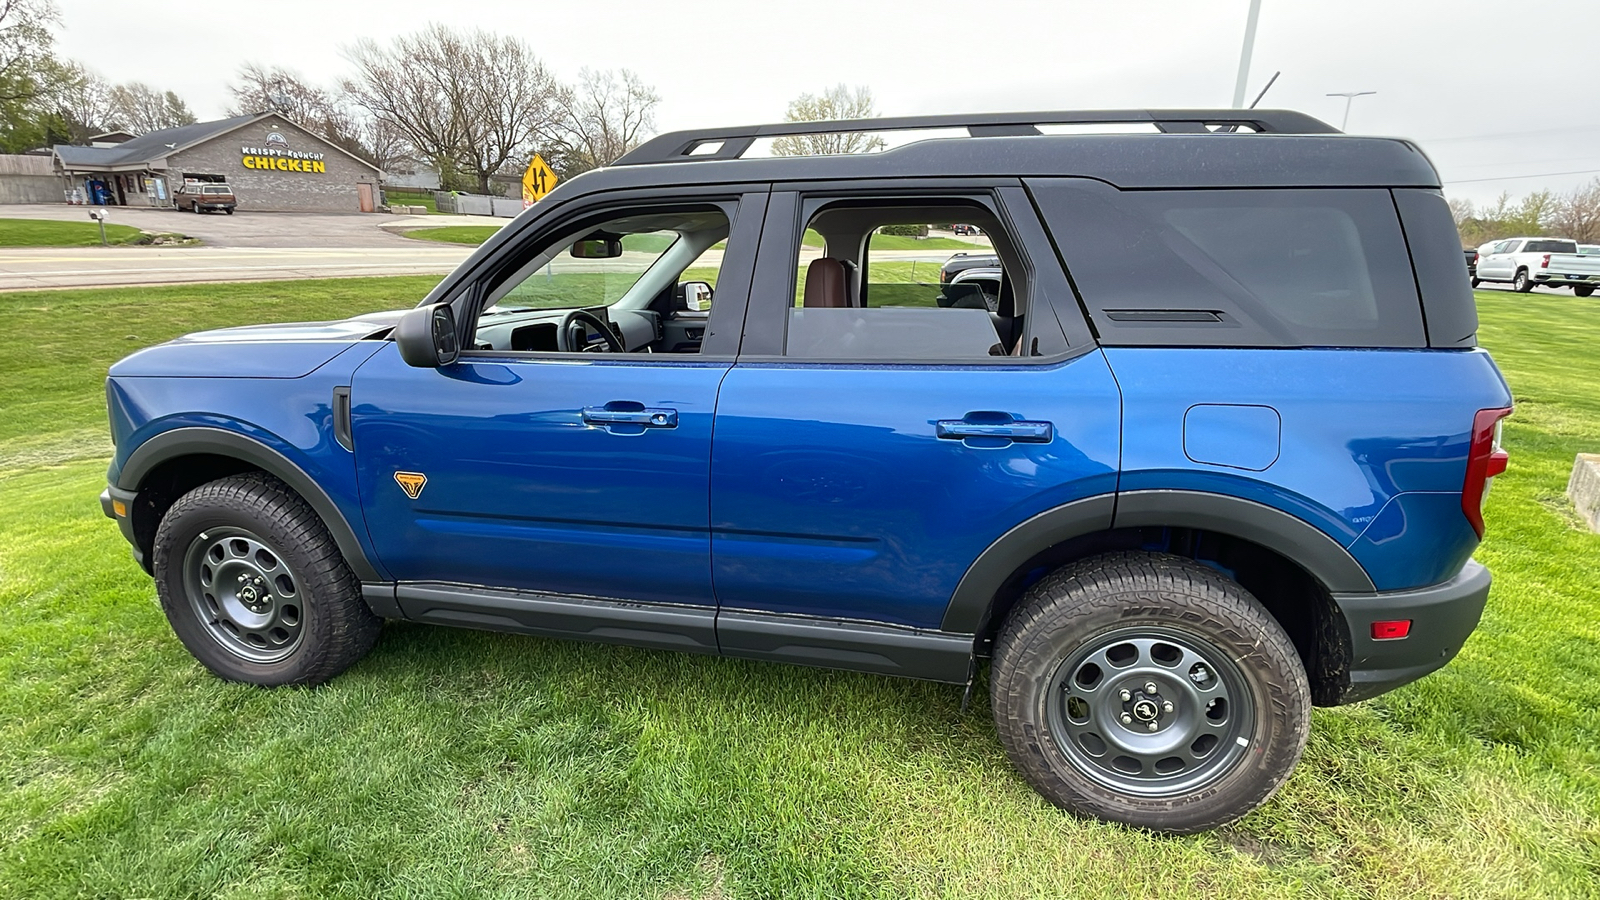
140 108
838 102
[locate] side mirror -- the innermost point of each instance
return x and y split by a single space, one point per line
696 296
426 336
599 245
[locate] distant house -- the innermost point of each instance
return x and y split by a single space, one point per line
272 164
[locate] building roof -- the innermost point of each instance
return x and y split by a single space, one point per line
147 148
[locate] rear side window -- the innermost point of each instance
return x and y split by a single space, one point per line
1246 268
1551 247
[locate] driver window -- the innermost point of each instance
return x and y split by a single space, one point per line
641 283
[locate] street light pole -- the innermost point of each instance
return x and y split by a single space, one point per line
1349 97
1244 54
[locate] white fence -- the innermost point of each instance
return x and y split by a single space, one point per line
477 204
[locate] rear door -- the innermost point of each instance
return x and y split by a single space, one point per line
867 451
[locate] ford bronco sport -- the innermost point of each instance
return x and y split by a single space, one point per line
1216 455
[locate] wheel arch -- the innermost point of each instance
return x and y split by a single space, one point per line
171 463
1291 566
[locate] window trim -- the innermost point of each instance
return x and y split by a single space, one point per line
745 210
793 206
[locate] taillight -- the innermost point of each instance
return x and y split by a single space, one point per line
1485 460
1545 263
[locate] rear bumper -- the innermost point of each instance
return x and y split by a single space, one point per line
109 500
1442 616
1559 279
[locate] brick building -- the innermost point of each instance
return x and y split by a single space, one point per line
271 163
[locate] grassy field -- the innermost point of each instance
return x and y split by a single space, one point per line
464 764
46 233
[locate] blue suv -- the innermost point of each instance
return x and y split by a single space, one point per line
1215 453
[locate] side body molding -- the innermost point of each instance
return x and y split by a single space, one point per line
220 442
1291 537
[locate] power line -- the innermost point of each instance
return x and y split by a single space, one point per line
1510 177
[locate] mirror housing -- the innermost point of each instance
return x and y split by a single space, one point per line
426 336
696 296
599 245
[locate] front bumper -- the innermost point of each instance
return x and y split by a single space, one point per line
111 500
1442 616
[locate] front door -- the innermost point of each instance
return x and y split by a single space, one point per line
881 429
364 194
568 451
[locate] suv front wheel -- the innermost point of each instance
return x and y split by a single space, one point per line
1151 690
255 586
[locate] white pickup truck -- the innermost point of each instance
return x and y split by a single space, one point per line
1527 262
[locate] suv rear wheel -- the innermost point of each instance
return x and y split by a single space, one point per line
255 586
1151 690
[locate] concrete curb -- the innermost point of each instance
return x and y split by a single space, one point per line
1584 488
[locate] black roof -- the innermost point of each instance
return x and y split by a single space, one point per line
1187 149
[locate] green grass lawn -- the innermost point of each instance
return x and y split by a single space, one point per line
47 233
463 764
472 235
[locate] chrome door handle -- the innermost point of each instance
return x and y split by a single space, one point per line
1020 430
648 417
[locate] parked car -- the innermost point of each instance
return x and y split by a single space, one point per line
1589 249
1517 260
200 197
1164 492
1579 271
963 260
965 229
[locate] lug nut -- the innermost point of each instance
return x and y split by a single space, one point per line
1127 719
1167 706
1126 695
1149 687
1152 726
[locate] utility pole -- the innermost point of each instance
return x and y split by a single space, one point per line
1349 97
1244 54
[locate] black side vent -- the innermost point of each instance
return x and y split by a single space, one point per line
341 418
1163 315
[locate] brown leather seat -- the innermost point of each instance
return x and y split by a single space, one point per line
826 285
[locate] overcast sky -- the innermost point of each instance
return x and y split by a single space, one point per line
1471 80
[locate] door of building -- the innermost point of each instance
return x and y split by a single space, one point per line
365 190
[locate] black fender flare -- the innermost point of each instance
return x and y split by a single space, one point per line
191 440
1291 537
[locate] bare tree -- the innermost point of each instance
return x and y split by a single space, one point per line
141 108
1577 214
604 116
838 102
327 114
469 101
1461 210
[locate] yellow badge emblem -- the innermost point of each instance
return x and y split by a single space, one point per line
411 482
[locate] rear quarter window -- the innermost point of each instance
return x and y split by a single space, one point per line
1247 268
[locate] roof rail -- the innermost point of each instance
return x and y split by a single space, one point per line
731 143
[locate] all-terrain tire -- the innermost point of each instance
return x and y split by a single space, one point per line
1120 597
332 626
1584 290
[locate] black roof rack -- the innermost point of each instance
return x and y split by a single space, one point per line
731 143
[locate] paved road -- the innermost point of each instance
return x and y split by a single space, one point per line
258 246
245 246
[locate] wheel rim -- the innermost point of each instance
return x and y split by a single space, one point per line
245 595
1150 711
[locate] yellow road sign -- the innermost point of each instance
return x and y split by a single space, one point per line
537 181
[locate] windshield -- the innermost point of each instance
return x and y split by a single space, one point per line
566 281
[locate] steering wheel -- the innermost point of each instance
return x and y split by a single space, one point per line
573 334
